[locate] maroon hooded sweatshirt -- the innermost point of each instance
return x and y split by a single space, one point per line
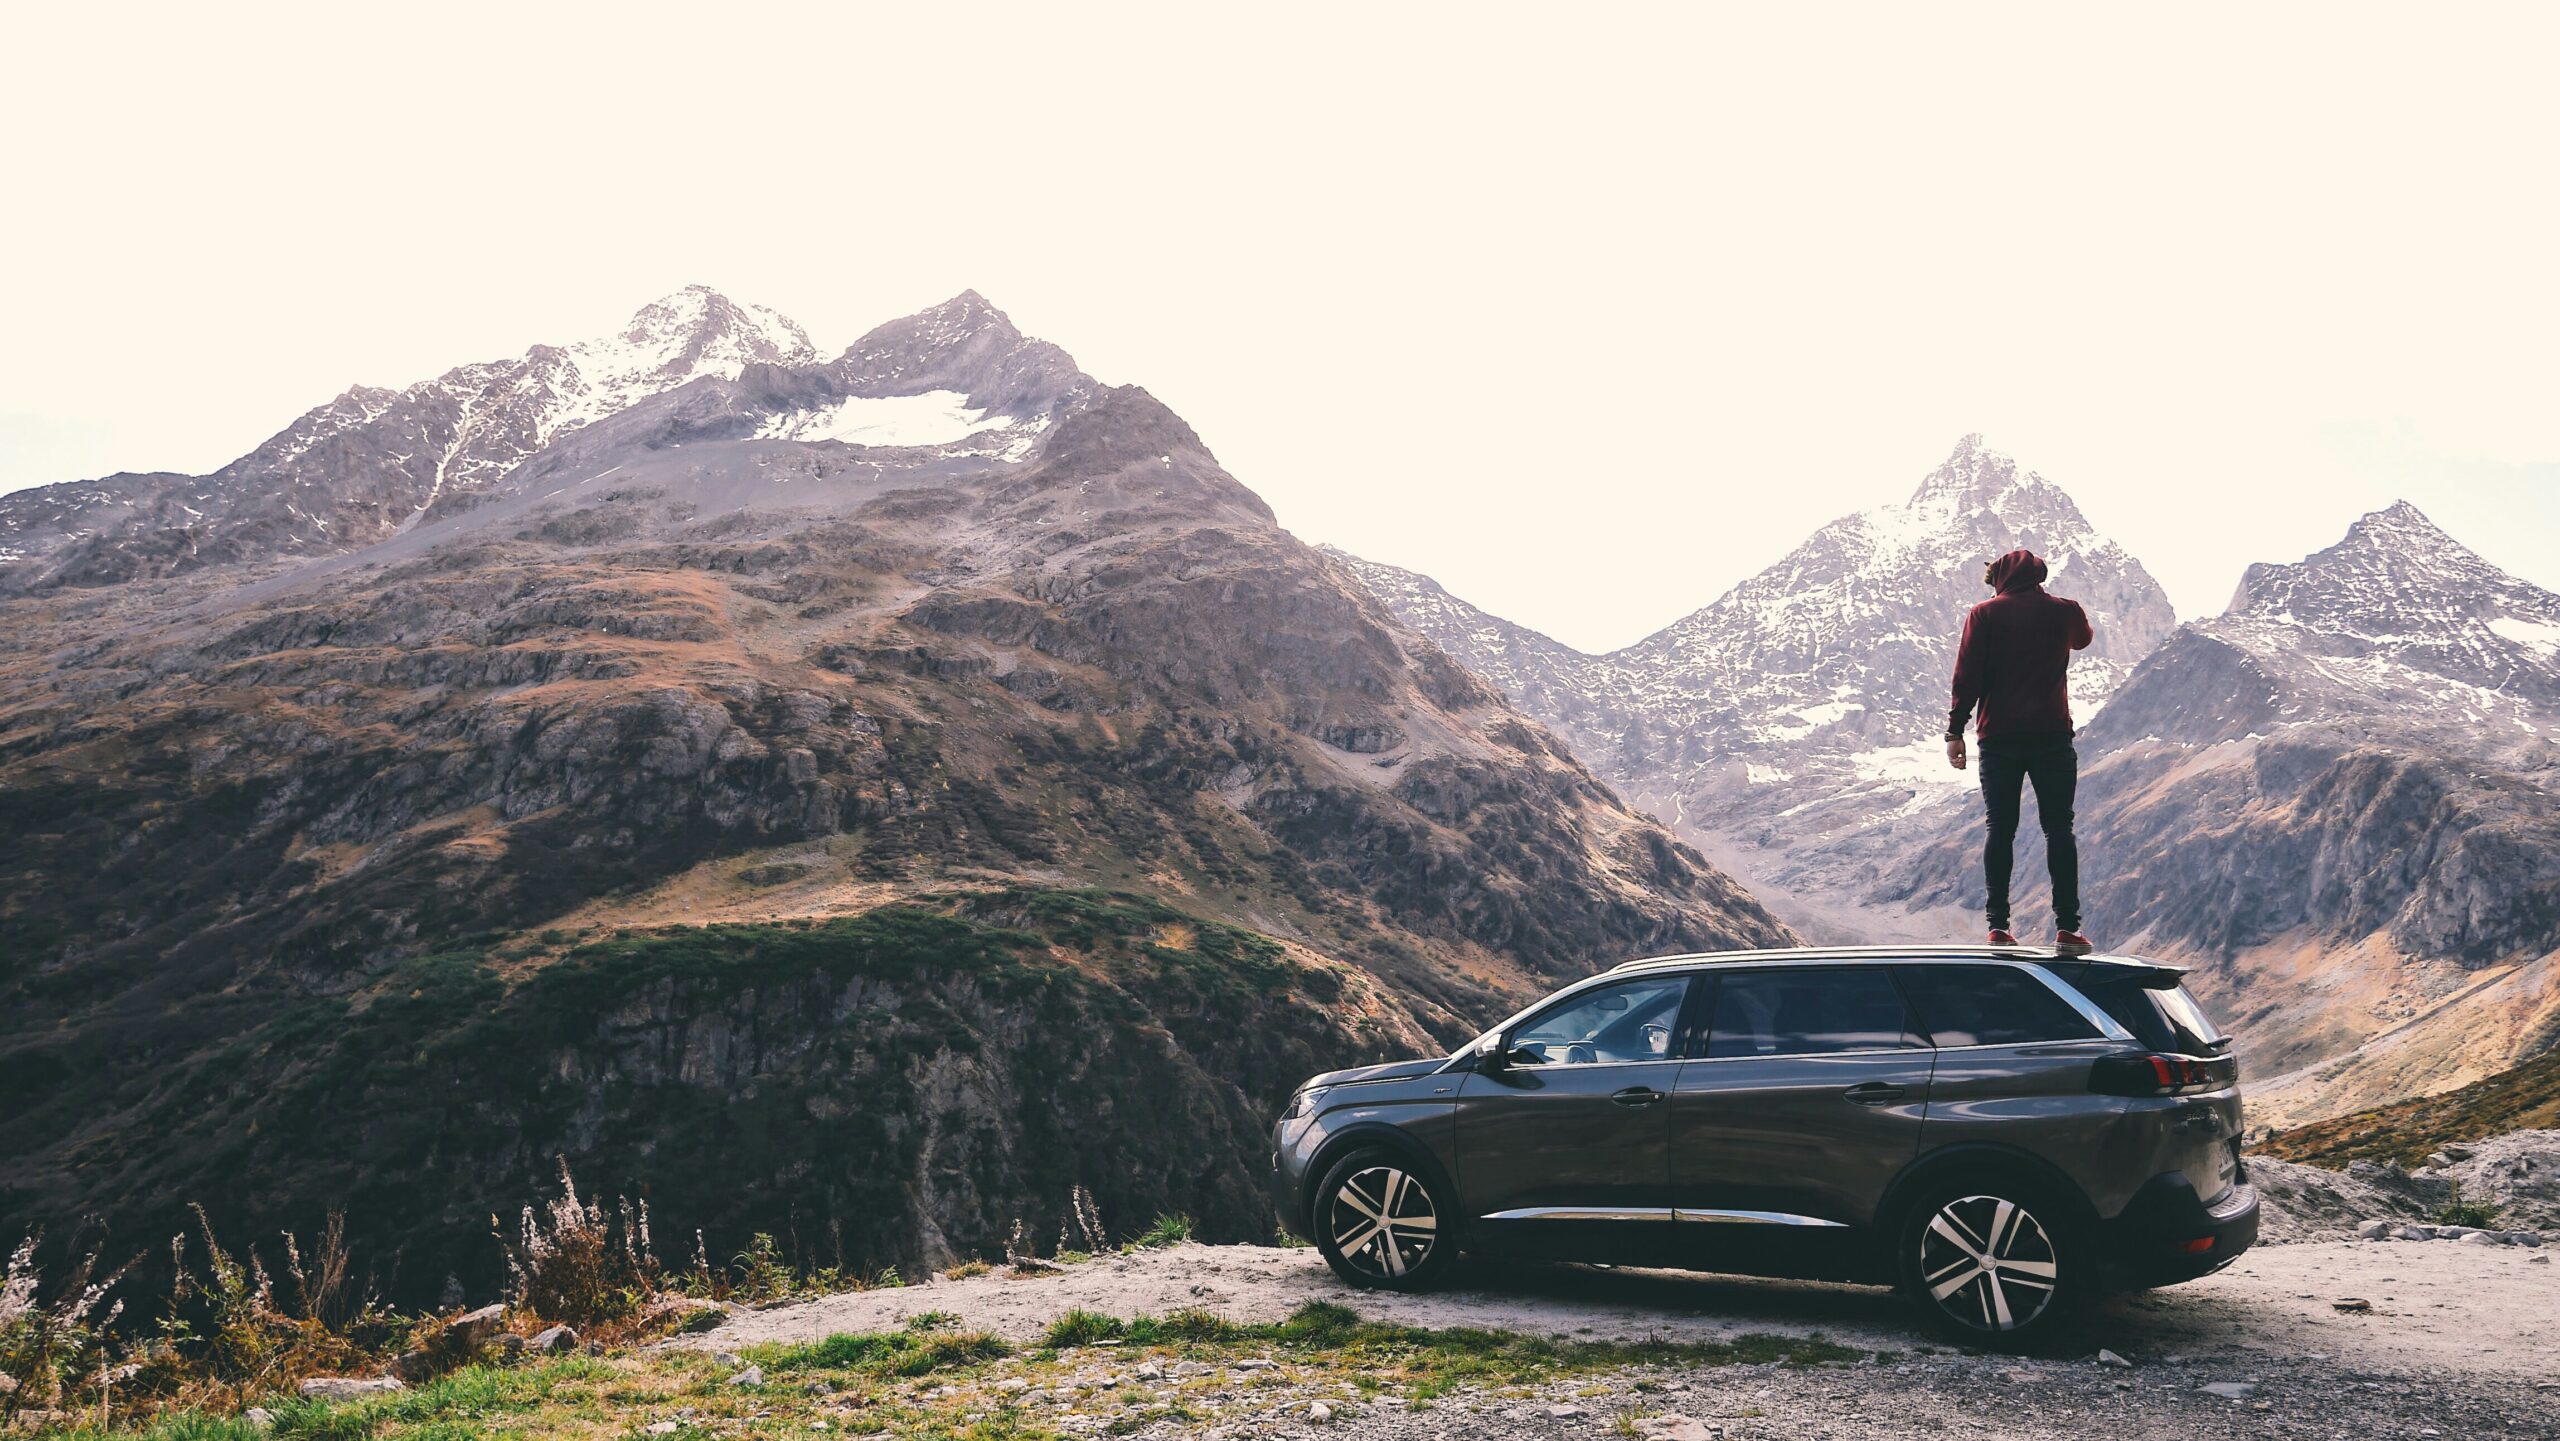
2016 647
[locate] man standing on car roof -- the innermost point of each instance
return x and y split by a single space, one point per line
2016 648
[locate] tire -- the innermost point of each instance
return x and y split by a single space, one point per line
2040 1274
1414 1247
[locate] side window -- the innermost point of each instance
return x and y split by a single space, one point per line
1630 1021
1807 1013
1990 1006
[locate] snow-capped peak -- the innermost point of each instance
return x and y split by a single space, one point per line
2392 562
1973 475
702 320
2392 613
959 322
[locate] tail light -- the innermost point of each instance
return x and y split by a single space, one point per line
2162 1075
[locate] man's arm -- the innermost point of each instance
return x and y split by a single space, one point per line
1968 689
1968 686
2081 634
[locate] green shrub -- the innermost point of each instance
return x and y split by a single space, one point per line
1083 1328
1169 1230
2459 1212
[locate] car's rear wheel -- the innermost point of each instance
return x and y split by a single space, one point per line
1992 1263
1382 1223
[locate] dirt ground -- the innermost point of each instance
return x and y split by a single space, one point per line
2460 1341
2486 1310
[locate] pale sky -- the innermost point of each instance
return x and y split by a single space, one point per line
1587 315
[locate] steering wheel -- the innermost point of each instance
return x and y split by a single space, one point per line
1580 1053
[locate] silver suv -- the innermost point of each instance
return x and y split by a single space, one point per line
2001 1132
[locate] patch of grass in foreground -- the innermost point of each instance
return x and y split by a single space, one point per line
911 1352
1326 1336
888 1380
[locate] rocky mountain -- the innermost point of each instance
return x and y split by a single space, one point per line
2337 796
862 797
1806 704
373 461
2334 798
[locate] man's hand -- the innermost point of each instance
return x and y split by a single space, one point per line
1955 751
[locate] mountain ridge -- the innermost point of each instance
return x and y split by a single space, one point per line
300 834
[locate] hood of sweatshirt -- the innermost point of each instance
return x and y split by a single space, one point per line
2018 570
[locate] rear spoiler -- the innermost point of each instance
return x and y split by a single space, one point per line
2149 975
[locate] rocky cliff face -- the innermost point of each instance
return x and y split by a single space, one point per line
941 615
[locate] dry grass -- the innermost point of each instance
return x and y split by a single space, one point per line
233 1333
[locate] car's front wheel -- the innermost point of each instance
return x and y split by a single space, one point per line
1992 1263
1382 1224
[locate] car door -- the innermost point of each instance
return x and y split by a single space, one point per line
1575 1127
1806 1101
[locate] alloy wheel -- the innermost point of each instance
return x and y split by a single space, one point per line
1383 1222
1988 1264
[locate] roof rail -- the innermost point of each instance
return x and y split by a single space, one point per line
1880 953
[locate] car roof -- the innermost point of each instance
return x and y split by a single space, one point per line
1881 955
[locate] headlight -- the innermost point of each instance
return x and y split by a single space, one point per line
1303 1104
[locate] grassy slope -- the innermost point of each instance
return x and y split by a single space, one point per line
934 1382
2525 1098
959 1061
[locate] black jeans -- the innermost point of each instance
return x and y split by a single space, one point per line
2052 765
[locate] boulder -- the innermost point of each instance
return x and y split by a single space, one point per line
473 1329
349 1388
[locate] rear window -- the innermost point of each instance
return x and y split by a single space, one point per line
1807 1013
2164 1020
1989 1006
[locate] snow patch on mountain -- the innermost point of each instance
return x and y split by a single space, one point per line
934 418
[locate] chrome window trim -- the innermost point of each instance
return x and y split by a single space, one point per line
2112 1044
1549 1067
2108 1026
1808 1055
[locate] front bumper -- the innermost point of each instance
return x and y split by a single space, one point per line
1288 1181
2169 1234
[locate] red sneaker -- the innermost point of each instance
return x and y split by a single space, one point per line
2072 943
2003 938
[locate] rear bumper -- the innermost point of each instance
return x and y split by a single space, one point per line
2169 1234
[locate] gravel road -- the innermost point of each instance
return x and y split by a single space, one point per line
2460 1341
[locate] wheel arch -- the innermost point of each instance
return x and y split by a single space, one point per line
1376 1135
1981 1159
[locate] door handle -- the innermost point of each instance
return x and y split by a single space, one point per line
1873 1093
1637 1096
